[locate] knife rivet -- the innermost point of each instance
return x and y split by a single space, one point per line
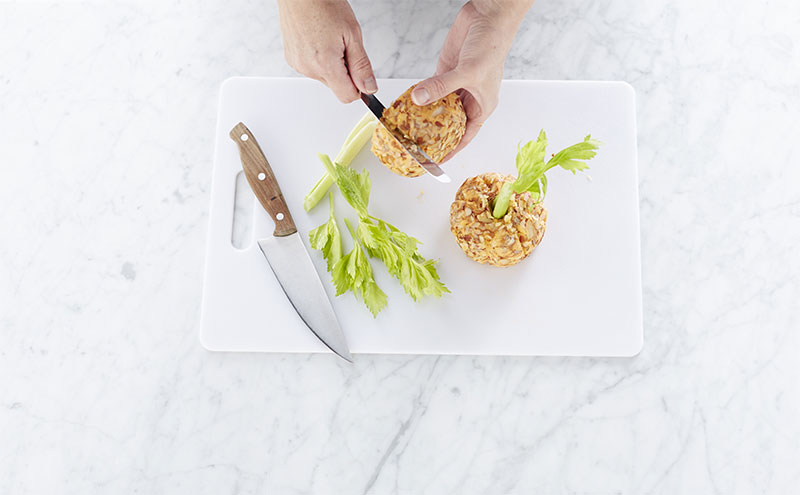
279 216
262 176
244 137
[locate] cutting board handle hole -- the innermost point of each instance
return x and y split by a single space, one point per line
243 207
262 176
244 137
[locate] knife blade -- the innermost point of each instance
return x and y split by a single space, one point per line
422 158
284 250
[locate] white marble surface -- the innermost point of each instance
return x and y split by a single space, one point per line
106 120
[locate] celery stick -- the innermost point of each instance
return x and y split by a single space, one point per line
356 140
366 119
353 146
502 201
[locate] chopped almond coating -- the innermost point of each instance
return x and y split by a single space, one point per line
497 241
437 128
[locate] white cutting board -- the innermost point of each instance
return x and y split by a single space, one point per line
578 294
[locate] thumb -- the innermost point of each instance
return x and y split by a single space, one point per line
437 87
360 68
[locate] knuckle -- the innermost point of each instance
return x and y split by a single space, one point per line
352 94
469 66
468 11
354 30
290 59
491 105
301 67
437 88
360 64
346 97
344 90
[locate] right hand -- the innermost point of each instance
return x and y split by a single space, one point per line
322 40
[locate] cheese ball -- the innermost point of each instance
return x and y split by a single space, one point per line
437 128
497 241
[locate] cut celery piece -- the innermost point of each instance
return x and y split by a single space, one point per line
356 140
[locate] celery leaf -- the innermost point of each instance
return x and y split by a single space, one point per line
327 239
531 168
354 273
573 158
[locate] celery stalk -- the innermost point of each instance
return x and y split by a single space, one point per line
502 200
327 163
366 119
356 140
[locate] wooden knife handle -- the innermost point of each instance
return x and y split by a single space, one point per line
262 180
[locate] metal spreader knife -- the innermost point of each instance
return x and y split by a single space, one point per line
284 250
425 161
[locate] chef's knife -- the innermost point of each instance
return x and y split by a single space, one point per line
284 250
425 161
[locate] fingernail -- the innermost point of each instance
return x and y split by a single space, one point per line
370 85
420 96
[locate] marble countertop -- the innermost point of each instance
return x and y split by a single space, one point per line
107 115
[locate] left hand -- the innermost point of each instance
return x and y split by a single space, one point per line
471 60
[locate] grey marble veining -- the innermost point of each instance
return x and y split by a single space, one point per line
107 113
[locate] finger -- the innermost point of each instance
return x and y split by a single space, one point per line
359 67
448 57
340 83
475 119
469 133
437 87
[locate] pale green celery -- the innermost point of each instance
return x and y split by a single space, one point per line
356 140
366 119
502 200
531 168
352 232
327 163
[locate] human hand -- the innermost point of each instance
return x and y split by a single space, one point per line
322 40
471 60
